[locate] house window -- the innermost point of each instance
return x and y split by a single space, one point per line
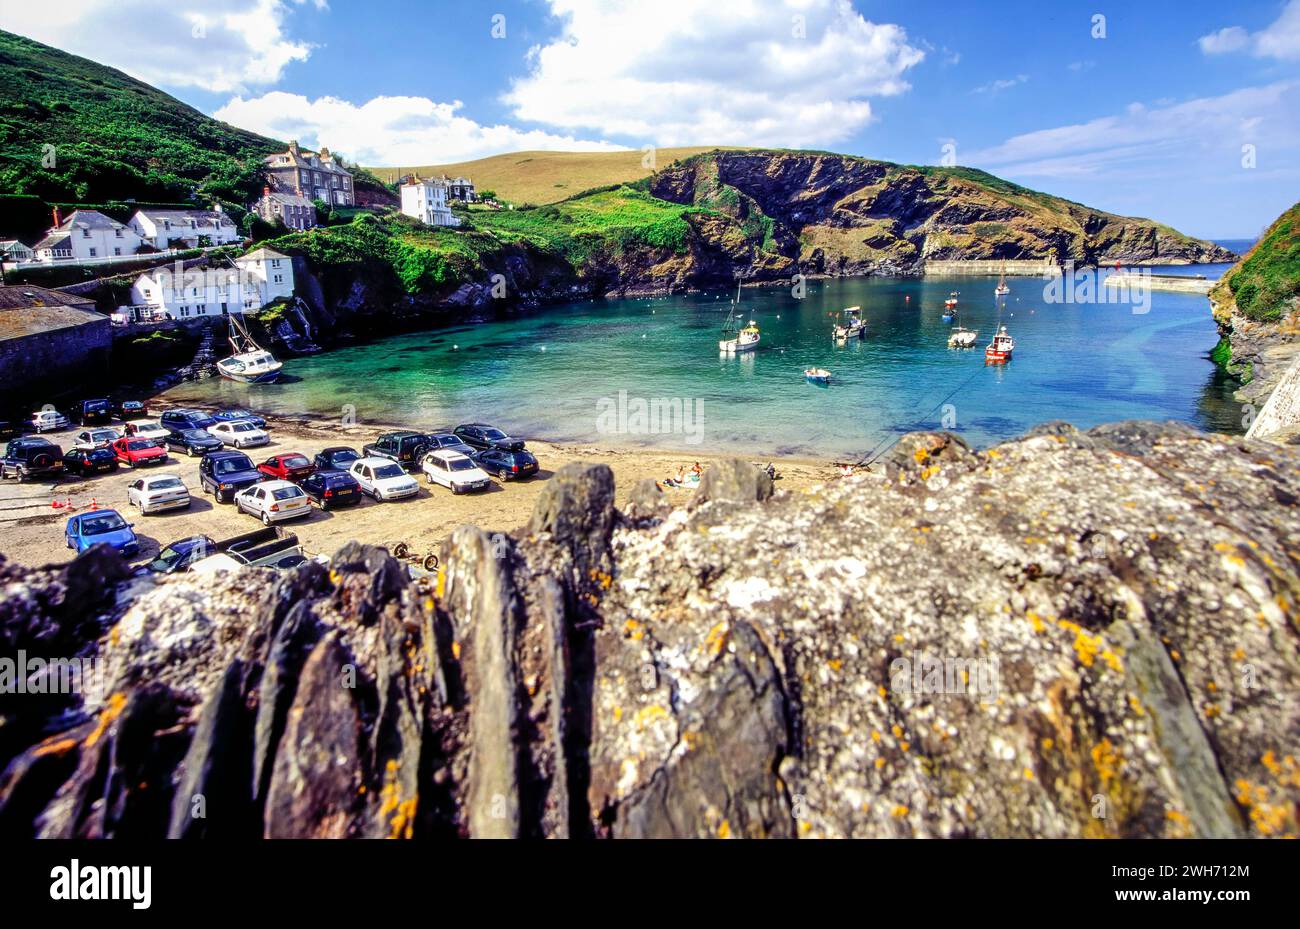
148 294
92 253
117 251
118 233
275 262
85 233
279 279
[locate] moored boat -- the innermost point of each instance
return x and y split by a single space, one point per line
1002 289
250 363
734 338
852 327
961 337
818 375
1000 349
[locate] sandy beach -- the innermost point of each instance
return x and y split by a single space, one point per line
33 528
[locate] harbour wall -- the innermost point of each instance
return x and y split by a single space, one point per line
992 268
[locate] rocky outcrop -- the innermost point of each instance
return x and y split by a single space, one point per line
1072 634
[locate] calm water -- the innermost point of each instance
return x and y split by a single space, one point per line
543 373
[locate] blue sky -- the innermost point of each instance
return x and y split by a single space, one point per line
1186 112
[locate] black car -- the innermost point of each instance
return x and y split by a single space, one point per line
180 555
506 465
331 488
84 461
192 441
481 435
89 412
405 448
335 458
185 419
31 457
224 474
10 428
128 409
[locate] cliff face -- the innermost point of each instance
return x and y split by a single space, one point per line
1068 635
835 214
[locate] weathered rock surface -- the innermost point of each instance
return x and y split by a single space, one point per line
1072 634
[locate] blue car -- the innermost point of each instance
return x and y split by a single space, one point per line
102 526
239 416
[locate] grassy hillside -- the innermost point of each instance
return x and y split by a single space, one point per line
113 136
546 177
1265 284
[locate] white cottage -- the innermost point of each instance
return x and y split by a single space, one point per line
164 229
174 292
87 235
426 200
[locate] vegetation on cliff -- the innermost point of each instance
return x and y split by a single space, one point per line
1265 284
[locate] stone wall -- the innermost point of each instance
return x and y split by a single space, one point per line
49 361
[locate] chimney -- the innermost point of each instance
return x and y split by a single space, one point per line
266 191
293 146
58 220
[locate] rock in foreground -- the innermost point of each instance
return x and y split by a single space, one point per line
1072 634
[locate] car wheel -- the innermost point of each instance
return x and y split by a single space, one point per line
266 519
20 475
455 489
429 478
190 452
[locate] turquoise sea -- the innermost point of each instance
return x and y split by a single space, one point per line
544 373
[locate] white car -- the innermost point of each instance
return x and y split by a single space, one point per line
157 493
240 434
383 479
273 501
96 438
49 421
455 471
149 431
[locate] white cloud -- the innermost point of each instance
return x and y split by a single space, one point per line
218 47
393 131
996 87
759 72
1280 39
1203 136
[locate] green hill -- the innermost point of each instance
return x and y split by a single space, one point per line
1265 284
113 137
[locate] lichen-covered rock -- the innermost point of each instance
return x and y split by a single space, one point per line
1072 634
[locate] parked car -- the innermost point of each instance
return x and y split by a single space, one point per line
88 412
96 438
406 448
128 409
240 434
49 421
481 435
291 466
147 430
273 501
383 479
186 419
192 441
101 527
336 457
10 428
506 466
239 416
88 461
158 492
455 471
179 555
272 547
331 489
134 451
31 457
224 474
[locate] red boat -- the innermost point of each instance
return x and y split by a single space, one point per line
951 301
1000 349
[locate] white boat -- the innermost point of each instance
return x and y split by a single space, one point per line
1002 289
1000 349
250 364
818 375
853 327
735 339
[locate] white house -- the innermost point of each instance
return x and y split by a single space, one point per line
257 279
84 235
13 250
426 200
164 229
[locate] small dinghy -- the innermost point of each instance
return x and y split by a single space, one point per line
817 376
1002 289
961 337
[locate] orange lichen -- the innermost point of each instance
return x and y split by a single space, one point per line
107 716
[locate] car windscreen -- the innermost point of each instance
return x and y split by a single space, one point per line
231 465
460 464
391 470
494 434
343 457
286 493
140 445
101 523
295 461
165 483
242 427
196 435
96 406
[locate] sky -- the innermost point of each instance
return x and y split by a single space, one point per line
1186 112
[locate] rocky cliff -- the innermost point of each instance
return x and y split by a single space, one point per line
1072 634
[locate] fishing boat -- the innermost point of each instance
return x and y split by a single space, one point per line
734 338
961 337
1000 349
951 302
818 375
1002 289
852 327
250 364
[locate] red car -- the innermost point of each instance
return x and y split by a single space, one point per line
134 451
290 466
